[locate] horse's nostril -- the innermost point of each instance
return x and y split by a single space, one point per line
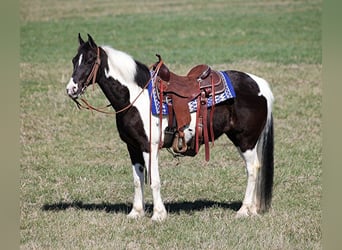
71 91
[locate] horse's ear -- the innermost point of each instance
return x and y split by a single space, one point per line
80 40
91 42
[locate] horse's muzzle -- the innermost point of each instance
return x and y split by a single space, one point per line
73 90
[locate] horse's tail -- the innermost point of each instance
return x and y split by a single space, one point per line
265 147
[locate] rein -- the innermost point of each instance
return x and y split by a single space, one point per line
93 74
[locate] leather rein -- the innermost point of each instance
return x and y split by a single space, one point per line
92 76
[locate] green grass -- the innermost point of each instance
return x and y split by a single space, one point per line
76 183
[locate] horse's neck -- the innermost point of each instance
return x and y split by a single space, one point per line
117 78
116 93
122 67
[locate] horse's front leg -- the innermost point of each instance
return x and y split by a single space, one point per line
159 211
138 209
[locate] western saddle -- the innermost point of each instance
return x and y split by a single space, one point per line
176 91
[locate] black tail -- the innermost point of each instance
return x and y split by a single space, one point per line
264 180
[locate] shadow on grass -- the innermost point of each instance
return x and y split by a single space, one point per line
171 207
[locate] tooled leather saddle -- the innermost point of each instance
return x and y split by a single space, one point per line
200 83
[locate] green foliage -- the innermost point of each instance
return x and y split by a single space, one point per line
76 181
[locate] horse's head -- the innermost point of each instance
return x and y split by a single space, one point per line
85 63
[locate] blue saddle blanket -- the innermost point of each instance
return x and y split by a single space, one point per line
225 95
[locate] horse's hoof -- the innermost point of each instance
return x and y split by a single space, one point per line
247 211
159 216
134 214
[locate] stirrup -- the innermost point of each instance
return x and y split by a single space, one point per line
179 145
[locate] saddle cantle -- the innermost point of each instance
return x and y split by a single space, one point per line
200 83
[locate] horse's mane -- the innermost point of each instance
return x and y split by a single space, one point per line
124 67
121 65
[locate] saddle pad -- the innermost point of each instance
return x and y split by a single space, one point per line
227 94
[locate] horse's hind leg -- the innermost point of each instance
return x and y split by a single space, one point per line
260 167
249 206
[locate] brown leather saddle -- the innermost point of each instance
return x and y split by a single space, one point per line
177 91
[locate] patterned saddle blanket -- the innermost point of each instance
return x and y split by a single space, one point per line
228 93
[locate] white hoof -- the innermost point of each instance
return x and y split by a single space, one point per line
136 214
159 215
247 211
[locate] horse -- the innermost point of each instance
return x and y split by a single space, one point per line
247 121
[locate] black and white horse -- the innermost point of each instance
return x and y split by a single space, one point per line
247 122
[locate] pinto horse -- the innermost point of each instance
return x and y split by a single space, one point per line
246 120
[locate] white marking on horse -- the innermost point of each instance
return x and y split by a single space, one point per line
189 132
249 206
72 88
138 209
80 59
265 91
122 67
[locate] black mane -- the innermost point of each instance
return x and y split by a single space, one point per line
142 75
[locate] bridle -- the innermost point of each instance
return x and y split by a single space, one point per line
95 68
93 74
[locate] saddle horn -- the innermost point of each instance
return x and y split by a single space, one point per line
164 72
159 57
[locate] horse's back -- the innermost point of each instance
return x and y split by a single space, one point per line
250 90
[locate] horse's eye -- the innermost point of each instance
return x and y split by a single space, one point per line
90 61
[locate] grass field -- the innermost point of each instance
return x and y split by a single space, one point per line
76 183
